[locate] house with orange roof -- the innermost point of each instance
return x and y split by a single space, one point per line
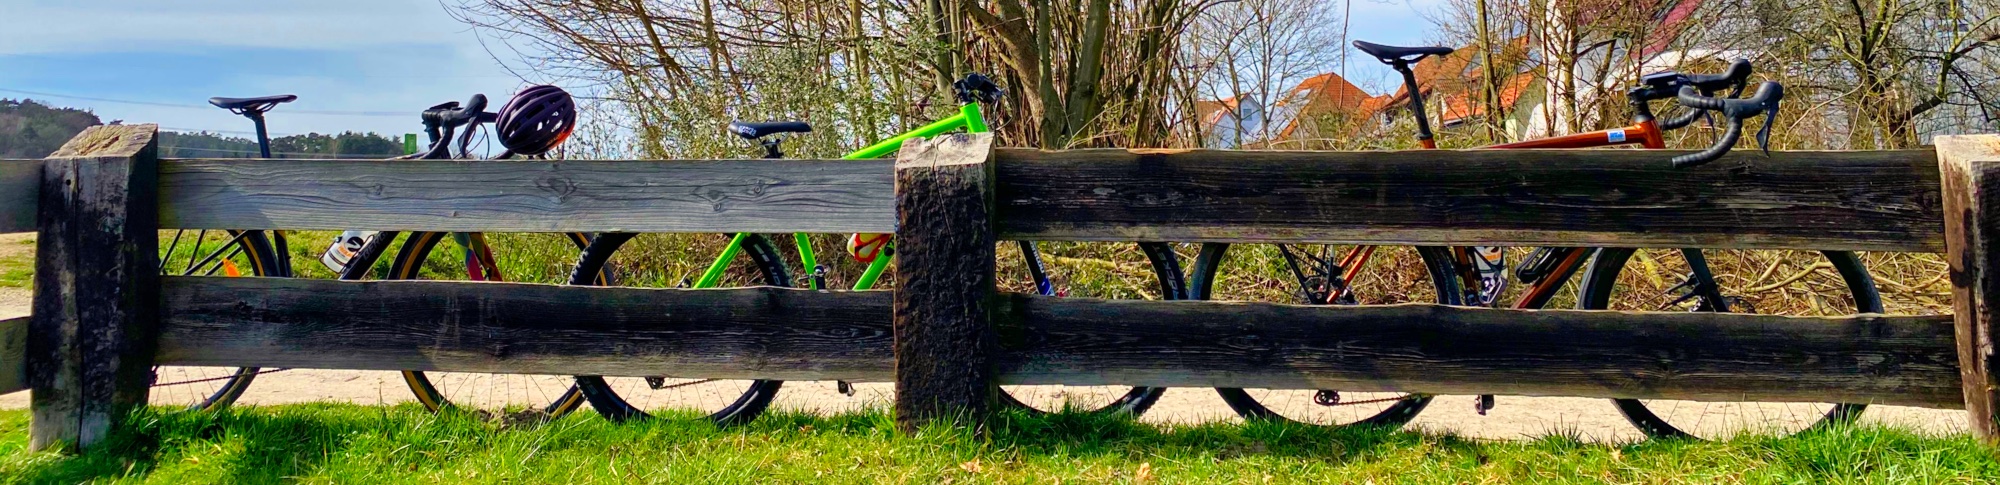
1454 92
1328 106
1242 122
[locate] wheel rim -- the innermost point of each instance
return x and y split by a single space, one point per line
1797 283
1116 271
647 260
1265 273
210 253
443 256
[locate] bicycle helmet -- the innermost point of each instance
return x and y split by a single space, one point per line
537 120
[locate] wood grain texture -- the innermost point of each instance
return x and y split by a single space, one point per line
1878 201
91 337
528 329
13 354
1970 166
829 196
1902 360
805 335
944 279
20 184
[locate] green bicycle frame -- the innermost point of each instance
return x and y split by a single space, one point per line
968 117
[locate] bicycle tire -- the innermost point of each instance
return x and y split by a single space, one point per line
263 261
407 264
1165 264
1601 279
1438 265
592 269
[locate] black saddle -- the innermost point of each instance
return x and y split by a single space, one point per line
260 103
1392 55
754 131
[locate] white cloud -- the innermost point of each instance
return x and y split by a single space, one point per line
137 25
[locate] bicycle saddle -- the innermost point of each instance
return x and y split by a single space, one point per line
752 131
259 103
1391 54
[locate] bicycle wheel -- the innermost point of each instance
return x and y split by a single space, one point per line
472 257
226 253
1802 283
1111 273
1313 274
723 401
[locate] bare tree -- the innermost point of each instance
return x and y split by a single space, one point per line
1081 71
1250 54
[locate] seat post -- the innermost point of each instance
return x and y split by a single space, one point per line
772 148
1416 103
263 139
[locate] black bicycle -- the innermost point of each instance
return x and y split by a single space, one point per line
450 128
227 253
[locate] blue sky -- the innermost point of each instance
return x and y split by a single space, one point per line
351 56
385 56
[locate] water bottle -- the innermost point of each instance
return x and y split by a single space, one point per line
343 249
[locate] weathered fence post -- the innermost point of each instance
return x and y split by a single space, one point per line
1969 168
91 336
945 272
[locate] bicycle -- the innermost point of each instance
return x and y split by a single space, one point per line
1453 274
753 260
534 122
230 253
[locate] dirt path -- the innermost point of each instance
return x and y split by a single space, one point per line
1514 418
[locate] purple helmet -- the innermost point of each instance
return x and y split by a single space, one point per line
536 120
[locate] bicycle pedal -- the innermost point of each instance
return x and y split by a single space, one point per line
1485 403
656 383
844 388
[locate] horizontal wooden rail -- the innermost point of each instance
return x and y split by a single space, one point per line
1905 360
13 354
1874 200
807 335
529 195
525 328
20 186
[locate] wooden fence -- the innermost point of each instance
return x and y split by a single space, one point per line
102 317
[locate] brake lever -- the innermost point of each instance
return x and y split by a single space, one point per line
1764 134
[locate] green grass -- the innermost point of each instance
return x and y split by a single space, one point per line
321 443
18 270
